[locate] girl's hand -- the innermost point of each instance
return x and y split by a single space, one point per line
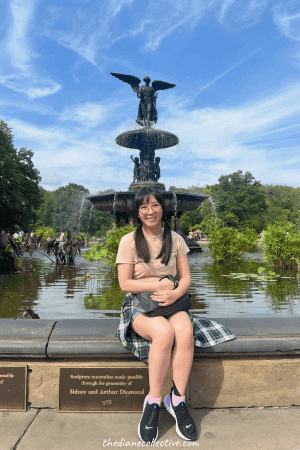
166 284
165 297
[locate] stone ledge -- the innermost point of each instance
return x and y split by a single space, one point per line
21 338
260 368
96 338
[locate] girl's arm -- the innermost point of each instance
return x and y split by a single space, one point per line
127 284
168 297
183 269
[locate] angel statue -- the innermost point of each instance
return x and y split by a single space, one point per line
147 114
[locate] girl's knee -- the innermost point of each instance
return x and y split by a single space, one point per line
184 336
165 335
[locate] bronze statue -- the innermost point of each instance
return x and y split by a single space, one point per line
147 114
144 170
136 175
156 169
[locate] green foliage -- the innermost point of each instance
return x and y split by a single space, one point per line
19 184
240 196
254 276
260 277
61 211
281 244
228 244
239 202
242 202
202 215
47 232
108 249
283 204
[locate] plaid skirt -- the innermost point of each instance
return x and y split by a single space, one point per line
206 332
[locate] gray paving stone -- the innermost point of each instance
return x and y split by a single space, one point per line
220 429
12 427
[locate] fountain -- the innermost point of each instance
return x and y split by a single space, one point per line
146 167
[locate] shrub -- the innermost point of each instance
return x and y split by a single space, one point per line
227 244
109 248
282 245
47 232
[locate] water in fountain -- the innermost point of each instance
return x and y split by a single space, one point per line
80 214
114 205
175 208
91 211
213 206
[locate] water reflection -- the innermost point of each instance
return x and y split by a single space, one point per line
221 295
106 296
59 292
18 290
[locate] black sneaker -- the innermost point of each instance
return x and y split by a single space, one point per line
147 428
185 426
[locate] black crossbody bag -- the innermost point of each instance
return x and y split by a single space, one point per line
143 303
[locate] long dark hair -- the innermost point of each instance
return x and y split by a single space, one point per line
142 248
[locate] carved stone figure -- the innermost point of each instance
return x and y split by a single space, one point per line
147 114
136 175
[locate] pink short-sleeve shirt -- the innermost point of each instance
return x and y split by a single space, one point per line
127 254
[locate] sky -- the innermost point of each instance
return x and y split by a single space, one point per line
236 104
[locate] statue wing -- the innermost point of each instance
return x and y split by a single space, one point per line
161 85
130 79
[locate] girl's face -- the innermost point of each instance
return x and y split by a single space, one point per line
151 213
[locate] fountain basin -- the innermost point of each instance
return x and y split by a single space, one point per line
147 137
185 202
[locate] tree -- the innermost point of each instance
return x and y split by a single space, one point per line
66 208
239 198
19 184
283 204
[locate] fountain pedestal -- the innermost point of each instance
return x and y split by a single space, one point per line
150 183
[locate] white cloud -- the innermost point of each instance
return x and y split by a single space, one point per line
16 60
253 137
287 19
88 114
238 14
250 137
93 28
117 5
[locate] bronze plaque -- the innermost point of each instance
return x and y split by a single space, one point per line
102 389
13 381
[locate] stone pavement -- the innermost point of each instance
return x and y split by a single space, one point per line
219 429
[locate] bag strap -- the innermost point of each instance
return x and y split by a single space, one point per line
171 278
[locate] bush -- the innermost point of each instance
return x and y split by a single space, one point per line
47 232
282 245
228 244
108 250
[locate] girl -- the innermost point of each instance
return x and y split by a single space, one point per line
144 257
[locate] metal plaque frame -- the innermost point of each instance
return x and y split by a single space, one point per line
13 388
102 388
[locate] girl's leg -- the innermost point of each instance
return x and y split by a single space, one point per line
183 352
160 332
181 364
